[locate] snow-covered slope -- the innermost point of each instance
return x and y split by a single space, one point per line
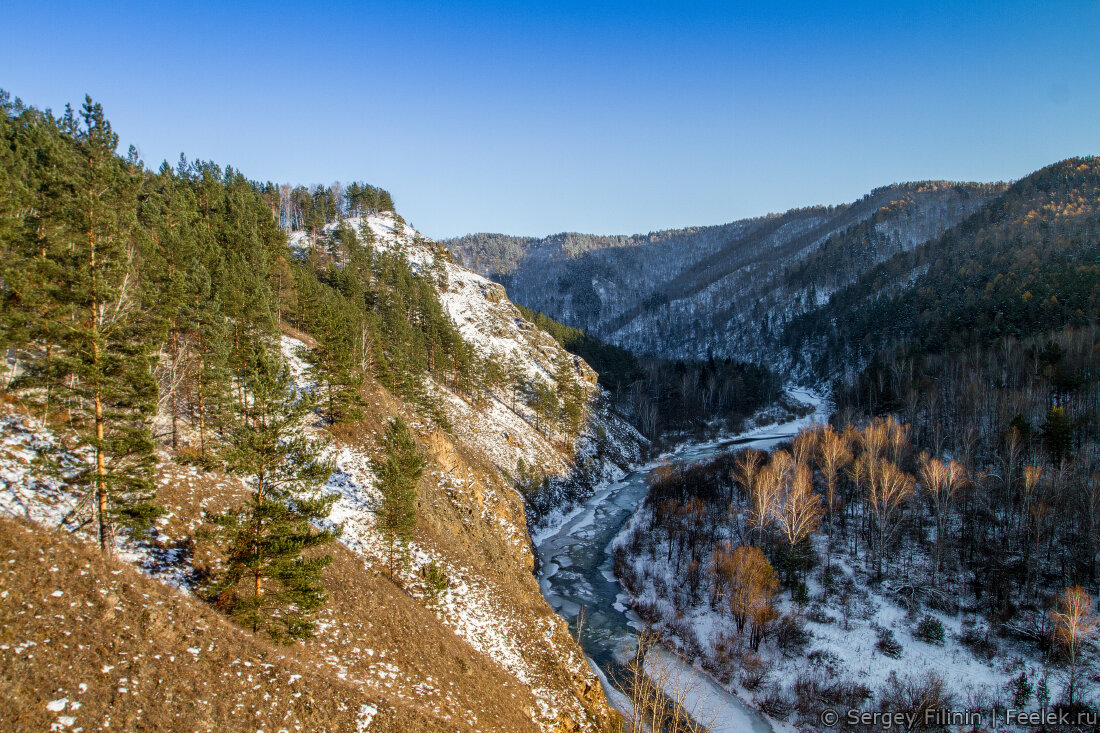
503 430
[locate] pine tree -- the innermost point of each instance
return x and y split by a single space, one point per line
572 396
516 378
336 362
39 160
268 582
398 473
106 358
167 211
210 380
545 404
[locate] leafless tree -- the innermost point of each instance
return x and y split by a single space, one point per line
1075 623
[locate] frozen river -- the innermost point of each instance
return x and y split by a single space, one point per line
576 572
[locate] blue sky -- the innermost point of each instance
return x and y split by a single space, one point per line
580 116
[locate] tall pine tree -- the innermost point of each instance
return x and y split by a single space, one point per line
105 358
270 583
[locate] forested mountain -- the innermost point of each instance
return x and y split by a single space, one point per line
292 407
1022 265
726 290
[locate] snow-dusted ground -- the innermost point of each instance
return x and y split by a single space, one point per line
498 429
704 699
468 604
843 641
502 429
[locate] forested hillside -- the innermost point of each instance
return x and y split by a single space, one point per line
313 438
1024 264
664 396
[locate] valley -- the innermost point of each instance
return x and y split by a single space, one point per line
576 576
272 459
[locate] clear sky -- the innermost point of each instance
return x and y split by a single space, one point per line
580 116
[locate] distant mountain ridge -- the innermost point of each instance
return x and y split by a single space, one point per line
726 290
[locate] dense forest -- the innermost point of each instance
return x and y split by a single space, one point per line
1023 264
664 395
991 355
726 290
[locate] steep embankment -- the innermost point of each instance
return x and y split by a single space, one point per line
483 652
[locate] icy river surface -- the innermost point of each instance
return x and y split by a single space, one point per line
576 573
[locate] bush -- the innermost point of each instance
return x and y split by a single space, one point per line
819 689
819 615
791 635
726 651
647 611
887 644
680 632
913 694
846 694
776 704
977 639
930 630
435 582
823 658
624 570
754 669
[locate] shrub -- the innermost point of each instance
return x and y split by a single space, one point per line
913 694
624 571
646 611
776 704
823 658
930 630
887 644
819 615
845 694
726 653
791 635
754 670
435 582
679 631
977 639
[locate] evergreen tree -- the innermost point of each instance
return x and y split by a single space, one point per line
105 359
398 473
572 396
335 361
269 583
544 403
210 382
167 211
